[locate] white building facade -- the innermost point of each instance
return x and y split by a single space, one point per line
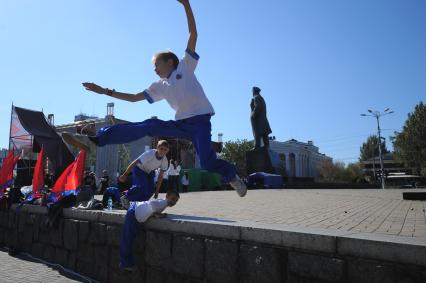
299 159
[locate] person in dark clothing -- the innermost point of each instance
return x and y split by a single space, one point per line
104 182
48 180
90 180
259 122
185 182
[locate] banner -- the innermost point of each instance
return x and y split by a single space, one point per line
19 137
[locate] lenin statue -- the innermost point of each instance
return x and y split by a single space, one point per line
259 122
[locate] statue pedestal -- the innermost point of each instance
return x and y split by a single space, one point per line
258 161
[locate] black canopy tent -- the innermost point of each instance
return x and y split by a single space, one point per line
30 128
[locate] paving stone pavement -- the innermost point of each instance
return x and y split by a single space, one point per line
22 269
372 211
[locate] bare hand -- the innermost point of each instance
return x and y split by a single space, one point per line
122 178
95 88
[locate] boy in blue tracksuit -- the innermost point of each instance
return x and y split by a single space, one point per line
139 212
179 86
143 169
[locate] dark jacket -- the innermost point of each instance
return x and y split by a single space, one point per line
259 122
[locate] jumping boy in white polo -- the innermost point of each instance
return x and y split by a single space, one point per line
179 86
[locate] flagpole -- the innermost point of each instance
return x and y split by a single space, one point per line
10 127
10 139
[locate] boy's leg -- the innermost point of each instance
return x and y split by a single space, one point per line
129 234
208 159
128 132
143 186
78 140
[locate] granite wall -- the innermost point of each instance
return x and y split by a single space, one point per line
192 249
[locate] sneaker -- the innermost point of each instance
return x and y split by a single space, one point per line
239 186
81 142
125 203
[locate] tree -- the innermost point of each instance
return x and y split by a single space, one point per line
331 171
370 148
337 172
353 173
410 144
235 152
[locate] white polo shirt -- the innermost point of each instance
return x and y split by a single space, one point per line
145 209
182 90
149 161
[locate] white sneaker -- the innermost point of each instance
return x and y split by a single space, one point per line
125 203
239 186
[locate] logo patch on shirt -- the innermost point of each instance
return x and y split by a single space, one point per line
178 76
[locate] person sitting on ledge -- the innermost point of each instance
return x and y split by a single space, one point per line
139 212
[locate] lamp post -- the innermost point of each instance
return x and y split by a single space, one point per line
377 115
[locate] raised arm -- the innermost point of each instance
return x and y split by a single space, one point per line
192 41
111 92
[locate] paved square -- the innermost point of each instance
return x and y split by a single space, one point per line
372 211
22 269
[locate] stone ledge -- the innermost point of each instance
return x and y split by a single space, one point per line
37 209
310 239
398 249
406 250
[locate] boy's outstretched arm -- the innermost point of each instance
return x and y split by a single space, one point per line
192 41
110 92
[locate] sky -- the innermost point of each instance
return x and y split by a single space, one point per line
319 63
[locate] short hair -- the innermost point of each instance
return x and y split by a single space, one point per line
173 192
163 143
166 56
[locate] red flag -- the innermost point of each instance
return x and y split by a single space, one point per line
6 171
62 180
75 178
38 178
72 177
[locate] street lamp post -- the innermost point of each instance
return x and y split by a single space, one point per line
377 115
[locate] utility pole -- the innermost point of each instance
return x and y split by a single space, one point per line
377 115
